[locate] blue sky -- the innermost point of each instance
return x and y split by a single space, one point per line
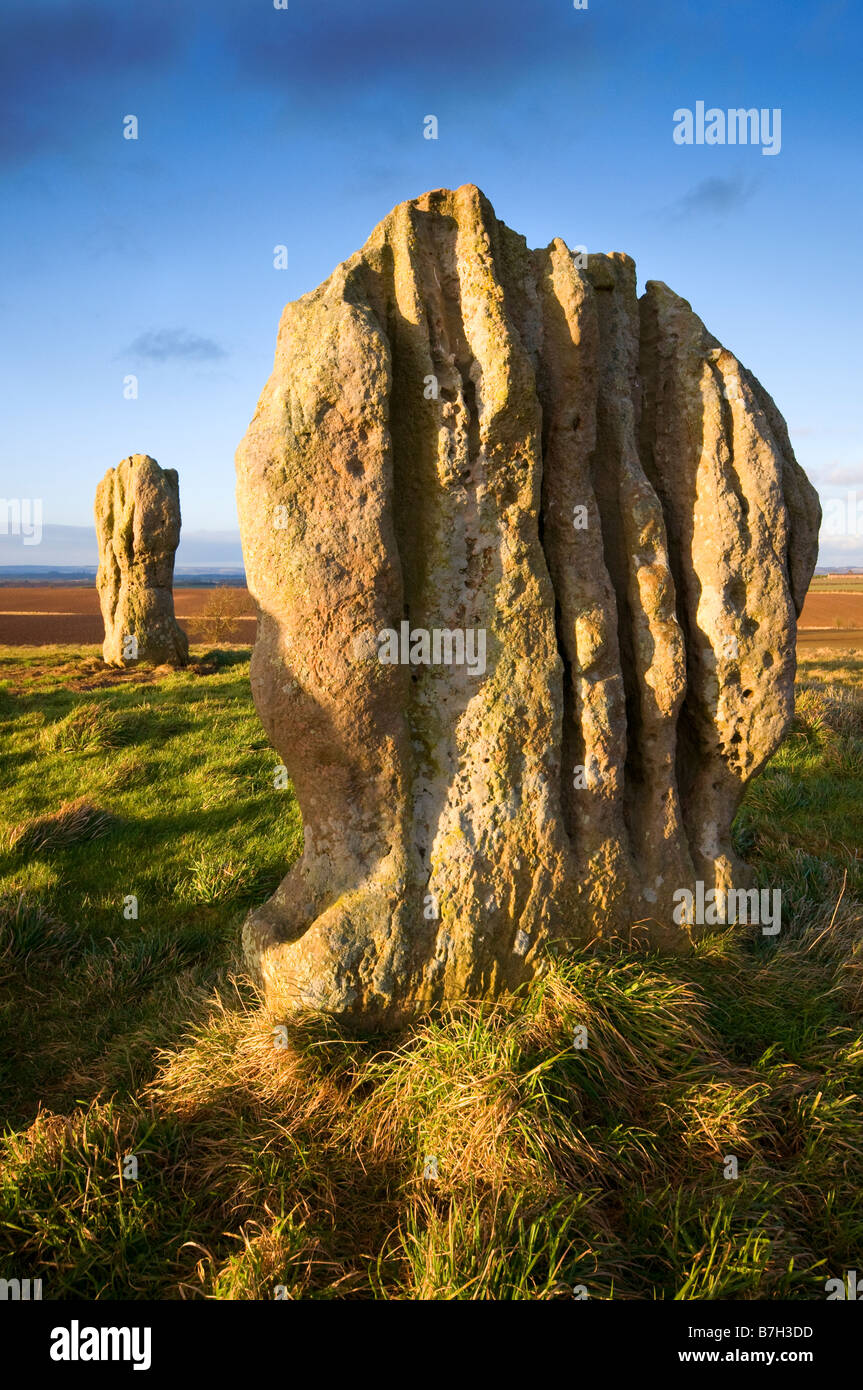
304 126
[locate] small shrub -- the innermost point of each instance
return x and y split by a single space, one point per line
218 621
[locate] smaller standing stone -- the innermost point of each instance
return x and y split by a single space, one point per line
138 530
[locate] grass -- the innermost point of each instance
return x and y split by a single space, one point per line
477 1155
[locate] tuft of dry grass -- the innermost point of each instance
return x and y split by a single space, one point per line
74 823
825 710
89 726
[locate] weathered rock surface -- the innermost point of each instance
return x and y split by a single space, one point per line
138 530
461 433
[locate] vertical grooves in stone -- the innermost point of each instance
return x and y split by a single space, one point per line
605 470
652 375
509 746
519 272
594 723
435 270
651 642
436 456
455 509
387 279
732 494
677 385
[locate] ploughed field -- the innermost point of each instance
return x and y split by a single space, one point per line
35 616
832 617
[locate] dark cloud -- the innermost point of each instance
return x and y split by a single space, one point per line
473 47
714 196
60 65
50 36
167 344
64 68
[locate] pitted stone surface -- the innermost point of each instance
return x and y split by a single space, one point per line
463 434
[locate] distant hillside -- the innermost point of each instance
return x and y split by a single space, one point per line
25 576
72 550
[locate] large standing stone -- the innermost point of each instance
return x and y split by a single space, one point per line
461 433
138 529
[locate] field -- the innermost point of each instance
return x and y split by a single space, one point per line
833 612
37 615
836 583
161 1143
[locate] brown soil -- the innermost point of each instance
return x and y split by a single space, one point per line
826 610
843 639
37 617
